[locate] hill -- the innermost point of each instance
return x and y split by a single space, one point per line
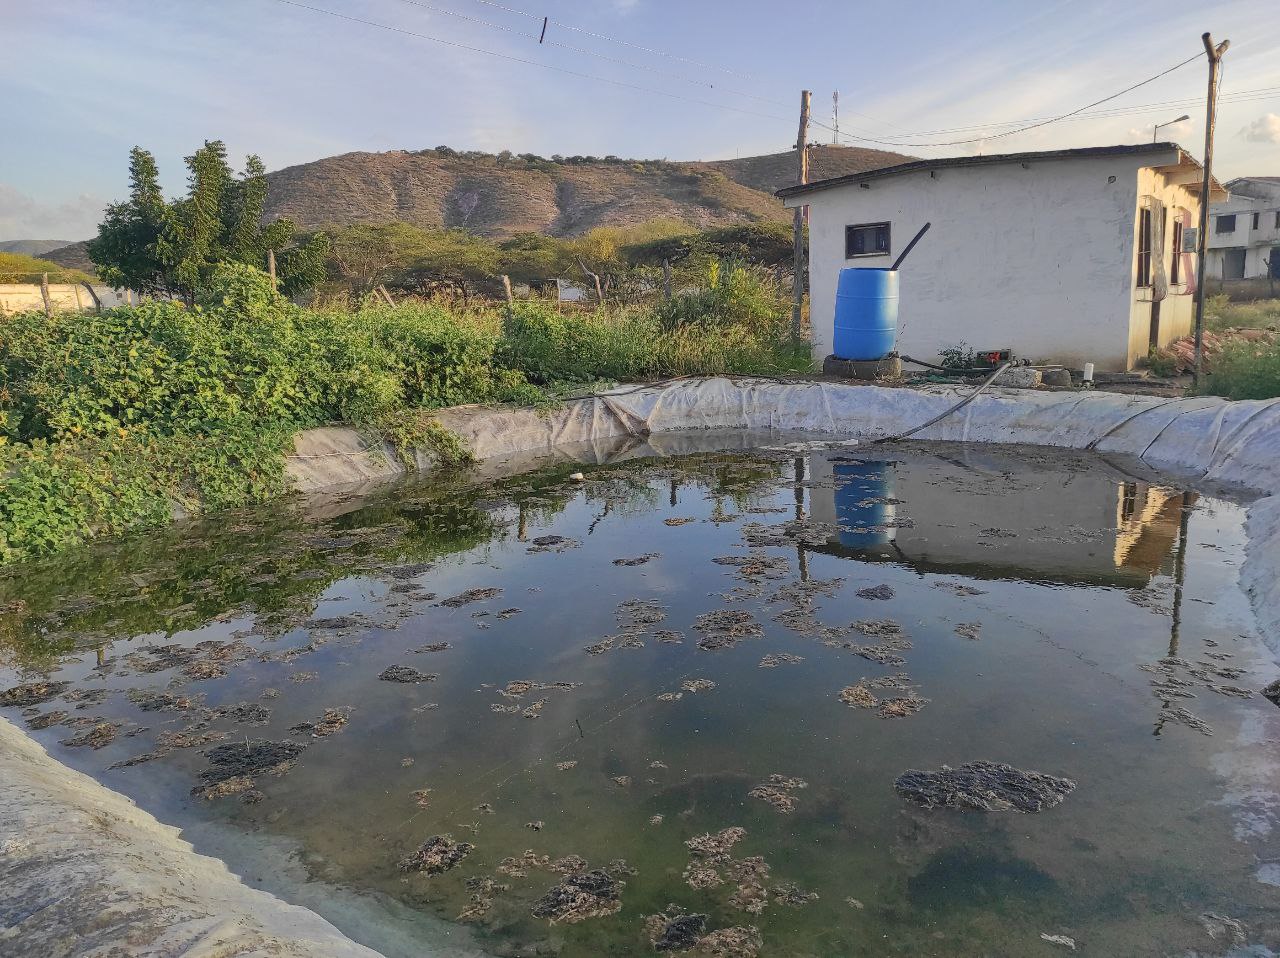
31 247
502 195
72 256
772 171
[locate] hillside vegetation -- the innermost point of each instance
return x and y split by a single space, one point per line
21 268
504 195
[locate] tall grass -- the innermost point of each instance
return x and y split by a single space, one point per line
1246 370
1221 313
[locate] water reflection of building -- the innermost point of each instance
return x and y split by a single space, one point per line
1040 522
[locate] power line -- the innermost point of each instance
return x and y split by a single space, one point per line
620 42
1032 126
533 63
592 53
1240 96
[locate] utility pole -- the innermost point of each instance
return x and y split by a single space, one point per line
271 267
797 229
835 118
1211 108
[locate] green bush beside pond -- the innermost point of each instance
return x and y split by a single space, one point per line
106 420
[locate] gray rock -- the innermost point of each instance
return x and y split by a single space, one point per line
1020 377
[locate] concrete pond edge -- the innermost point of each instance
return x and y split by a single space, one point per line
84 871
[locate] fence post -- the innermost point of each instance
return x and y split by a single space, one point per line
44 294
666 279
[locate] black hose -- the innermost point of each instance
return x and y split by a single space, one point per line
949 370
910 246
943 415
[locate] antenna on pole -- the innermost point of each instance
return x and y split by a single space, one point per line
835 118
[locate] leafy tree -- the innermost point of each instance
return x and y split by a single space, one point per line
125 250
758 244
364 256
531 257
454 257
173 248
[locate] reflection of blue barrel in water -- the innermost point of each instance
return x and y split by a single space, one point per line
863 491
866 314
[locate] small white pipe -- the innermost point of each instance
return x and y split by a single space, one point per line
1088 372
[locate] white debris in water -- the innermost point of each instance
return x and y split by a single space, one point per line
1059 940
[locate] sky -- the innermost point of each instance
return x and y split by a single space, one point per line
86 80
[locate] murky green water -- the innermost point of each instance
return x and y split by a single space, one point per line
1043 611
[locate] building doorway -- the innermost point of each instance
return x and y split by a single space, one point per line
1233 264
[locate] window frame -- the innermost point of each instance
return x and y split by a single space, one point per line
1175 267
849 230
1218 220
1144 248
1257 219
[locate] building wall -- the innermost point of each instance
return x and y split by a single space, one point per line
1037 258
1177 310
20 297
1247 197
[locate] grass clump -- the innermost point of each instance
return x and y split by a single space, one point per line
1162 362
1221 313
1245 370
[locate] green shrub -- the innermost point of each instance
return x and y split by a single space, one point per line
549 347
1162 362
1245 370
1221 313
734 295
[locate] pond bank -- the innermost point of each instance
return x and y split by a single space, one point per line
84 871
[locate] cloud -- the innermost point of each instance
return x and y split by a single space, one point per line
23 217
1265 129
1167 131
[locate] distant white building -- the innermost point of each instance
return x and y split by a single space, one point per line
1244 232
1068 256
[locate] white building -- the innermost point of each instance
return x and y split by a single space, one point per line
1244 232
1047 254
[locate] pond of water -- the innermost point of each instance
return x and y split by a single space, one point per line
670 703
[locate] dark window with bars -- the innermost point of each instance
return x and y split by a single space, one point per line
1144 248
866 239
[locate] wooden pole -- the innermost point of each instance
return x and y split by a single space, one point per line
666 279
271 267
1211 107
506 288
44 294
386 297
797 227
75 288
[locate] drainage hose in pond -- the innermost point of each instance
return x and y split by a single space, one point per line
943 415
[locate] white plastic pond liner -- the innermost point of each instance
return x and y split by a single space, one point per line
89 873
1206 441
84 871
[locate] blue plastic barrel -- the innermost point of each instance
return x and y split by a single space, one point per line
863 495
866 313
